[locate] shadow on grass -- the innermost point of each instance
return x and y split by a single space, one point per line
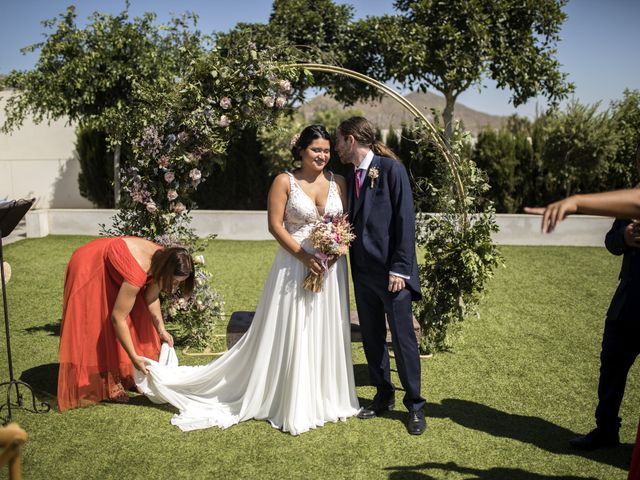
533 430
52 329
415 472
43 378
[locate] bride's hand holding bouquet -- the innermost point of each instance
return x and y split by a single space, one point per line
331 238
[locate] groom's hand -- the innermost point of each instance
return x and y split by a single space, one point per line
396 283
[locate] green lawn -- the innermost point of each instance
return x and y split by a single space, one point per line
520 383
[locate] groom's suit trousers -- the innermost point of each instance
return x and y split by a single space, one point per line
621 338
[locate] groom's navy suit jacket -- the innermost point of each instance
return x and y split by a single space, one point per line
383 219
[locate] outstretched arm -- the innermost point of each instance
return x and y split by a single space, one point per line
617 203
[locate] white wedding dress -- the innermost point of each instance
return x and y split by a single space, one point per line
292 367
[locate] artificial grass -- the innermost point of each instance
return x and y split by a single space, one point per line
521 381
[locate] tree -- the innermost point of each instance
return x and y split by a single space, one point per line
452 46
624 172
300 30
91 75
579 146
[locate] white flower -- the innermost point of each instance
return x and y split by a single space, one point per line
281 102
195 174
199 259
152 207
172 195
225 102
268 101
284 86
224 121
169 177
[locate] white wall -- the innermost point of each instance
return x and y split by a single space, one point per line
40 161
578 230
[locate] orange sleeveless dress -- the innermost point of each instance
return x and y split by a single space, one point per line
93 364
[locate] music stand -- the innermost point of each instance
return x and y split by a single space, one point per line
10 215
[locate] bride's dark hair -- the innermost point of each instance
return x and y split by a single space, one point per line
308 135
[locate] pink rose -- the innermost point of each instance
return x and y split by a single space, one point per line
163 161
224 121
169 177
281 102
172 195
152 207
179 207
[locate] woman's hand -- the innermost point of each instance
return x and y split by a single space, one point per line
555 212
166 337
312 262
140 364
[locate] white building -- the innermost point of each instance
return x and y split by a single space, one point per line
40 161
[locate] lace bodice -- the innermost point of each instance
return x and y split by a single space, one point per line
301 212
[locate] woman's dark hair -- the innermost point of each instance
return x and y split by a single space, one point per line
308 135
170 262
365 134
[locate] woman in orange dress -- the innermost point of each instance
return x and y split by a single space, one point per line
111 315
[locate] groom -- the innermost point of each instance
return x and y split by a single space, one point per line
383 266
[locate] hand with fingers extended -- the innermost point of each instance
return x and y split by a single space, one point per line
554 213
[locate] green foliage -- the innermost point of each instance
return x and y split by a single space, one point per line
91 75
460 255
95 179
578 150
242 179
625 120
451 46
579 145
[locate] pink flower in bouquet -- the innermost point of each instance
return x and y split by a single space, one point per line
179 207
169 177
195 174
331 237
223 121
281 102
172 195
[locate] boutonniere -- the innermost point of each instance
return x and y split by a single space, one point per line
373 174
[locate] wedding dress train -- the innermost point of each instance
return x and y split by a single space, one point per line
293 366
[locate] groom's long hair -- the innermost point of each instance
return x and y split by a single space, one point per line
365 134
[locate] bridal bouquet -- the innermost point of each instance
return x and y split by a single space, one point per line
331 237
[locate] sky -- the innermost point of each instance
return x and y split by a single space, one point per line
598 48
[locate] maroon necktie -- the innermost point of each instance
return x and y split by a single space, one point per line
359 173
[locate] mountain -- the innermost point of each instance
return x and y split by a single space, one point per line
387 112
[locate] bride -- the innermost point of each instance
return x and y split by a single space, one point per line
293 366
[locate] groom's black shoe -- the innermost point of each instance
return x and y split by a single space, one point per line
376 408
416 424
596 438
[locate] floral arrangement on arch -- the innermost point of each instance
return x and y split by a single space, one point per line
179 132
